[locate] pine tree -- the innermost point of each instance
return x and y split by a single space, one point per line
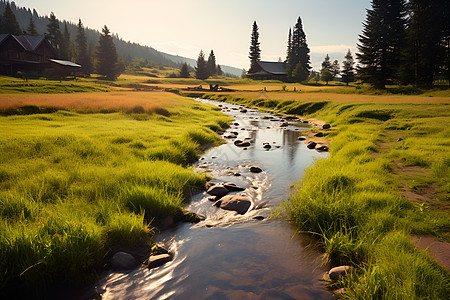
31 29
107 60
425 54
299 51
184 71
326 75
83 57
255 51
9 22
326 64
289 45
335 69
348 71
54 34
219 70
300 73
211 64
65 44
201 71
381 42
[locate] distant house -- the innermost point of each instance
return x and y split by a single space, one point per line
27 53
268 70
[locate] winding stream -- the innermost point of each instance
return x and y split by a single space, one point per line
232 256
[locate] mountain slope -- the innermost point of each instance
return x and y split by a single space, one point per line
124 49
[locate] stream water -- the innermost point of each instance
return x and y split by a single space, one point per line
233 256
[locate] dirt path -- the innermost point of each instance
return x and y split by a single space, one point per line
425 195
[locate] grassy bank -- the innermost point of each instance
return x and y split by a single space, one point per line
80 177
358 201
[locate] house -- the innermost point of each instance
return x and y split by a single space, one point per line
268 70
31 54
24 53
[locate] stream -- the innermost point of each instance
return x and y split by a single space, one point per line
233 256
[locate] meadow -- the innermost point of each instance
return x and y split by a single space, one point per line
94 168
82 173
357 202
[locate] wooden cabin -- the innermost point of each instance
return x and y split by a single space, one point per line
24 53
268 70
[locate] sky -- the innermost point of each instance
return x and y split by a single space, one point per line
184 27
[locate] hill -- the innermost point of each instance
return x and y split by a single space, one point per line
124 48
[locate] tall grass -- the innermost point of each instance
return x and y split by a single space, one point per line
72 184
350 200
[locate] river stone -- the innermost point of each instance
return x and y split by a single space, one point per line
240 143
337 272
320 147
209 184
254 169
326 126
123 261
230 136
243 110
233 187
311 145
267 146
217 190
284 124
301 138
319 134
240 204
155 261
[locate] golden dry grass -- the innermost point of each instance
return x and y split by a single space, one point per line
92 101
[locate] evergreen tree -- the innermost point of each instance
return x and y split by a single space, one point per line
255 51
107 59
31 29
184 71
326 64
335 69
65 44
211 64
201 70
219 70
425 51
300 73
326 75
348 71
82 55
289 45
381 42
299 52
9 22
54 34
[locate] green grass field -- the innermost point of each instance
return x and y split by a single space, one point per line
73 182
353 202
82 171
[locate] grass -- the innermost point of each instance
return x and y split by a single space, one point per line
91 172
351 202
10 85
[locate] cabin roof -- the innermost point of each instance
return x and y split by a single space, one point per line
65 63
27 42
269 67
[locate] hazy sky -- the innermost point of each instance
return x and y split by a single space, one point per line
184 27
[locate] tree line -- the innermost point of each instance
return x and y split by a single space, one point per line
402 42
405 42
106 63
207 68
298 63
